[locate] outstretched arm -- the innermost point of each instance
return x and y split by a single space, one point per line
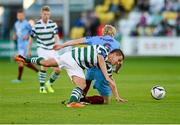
103 68
112 83
69 43
116 93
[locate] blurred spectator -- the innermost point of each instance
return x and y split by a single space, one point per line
91 24
143 5
143 20
113 7
100 30
81 22
163 29
178 24
134 31
155 18
171 5
117 9
60 29
156 5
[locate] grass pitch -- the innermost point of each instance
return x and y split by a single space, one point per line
22 103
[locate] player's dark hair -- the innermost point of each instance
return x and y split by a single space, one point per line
119 52
20 11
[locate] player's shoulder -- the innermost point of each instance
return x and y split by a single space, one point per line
26 22
51 21
37 22
101 47
92 37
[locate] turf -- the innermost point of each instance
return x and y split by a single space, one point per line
22 103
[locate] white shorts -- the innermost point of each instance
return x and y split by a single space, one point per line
46 54
66 61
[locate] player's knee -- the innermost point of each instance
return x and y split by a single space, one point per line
57 70
83 86
80 82
46 63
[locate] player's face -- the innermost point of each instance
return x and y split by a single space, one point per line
45 15
20 16
116 60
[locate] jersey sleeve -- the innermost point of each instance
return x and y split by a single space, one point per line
91 40
109 69
33 32
55 29
101 50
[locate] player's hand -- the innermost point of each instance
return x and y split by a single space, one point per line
57 47
118 99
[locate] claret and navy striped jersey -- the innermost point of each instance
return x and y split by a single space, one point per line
86 57
44 34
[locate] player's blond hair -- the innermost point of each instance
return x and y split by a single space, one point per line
45 8
109 30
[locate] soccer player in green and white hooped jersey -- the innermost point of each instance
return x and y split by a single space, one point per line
76 60
95 74
45 32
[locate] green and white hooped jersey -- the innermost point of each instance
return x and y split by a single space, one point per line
44 34
86 57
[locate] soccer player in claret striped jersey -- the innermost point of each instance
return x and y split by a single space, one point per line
80 58
45 32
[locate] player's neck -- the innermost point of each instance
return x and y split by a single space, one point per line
45 21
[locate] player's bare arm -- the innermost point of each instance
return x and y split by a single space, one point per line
56 38
116 93
70 43
103 68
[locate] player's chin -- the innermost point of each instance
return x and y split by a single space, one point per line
114 63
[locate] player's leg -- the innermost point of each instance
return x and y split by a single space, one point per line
77 92
102 85
21 51
81 84
20 72
55 73
96 99
53 77
89 78
76 74
103 88
29 65
32 66
42 79
37 60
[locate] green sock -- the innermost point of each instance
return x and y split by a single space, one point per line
75 95
53 77
42 77
34 60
